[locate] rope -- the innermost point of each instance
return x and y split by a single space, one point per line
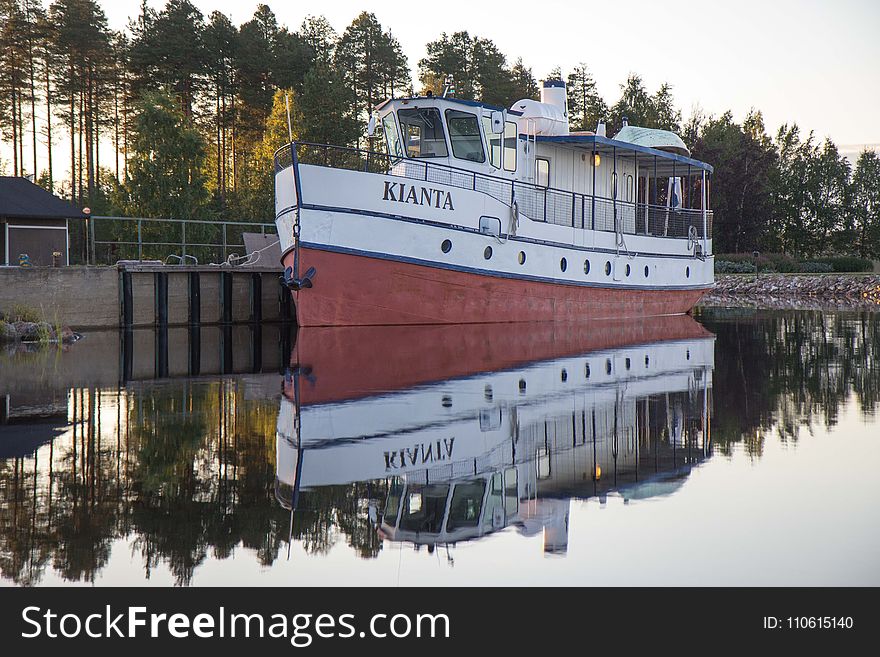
238 261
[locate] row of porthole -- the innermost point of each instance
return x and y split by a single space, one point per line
446 247
563 375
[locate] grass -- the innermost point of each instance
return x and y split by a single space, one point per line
24 313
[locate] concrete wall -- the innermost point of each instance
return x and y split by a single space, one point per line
89 297
79 297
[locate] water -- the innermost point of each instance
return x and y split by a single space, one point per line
741 448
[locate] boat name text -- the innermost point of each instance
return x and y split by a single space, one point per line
403 193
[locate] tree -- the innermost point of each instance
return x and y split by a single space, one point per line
15 92
169 52
254 65
478 69
81 49
166 176
320 36
827 181
327 108
585 106
256 192
865 204
523 83
220 41
642 109
743 157
371 62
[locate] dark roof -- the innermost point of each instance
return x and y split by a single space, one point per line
22 199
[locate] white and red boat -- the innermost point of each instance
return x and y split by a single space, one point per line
462 212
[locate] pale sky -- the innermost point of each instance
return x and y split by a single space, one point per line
813 62
810 62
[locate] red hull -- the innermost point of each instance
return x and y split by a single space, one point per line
351 362
351 290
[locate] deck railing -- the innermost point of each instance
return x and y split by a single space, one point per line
544 204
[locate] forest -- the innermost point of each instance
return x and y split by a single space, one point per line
178 115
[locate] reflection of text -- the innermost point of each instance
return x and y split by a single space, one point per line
419 454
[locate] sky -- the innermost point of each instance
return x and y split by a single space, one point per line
810 62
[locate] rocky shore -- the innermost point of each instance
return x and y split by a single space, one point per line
796 290
35 332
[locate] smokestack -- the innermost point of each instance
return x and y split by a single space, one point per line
553 92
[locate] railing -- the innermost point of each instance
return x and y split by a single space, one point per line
106 240
544 204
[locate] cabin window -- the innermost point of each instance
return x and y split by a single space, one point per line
629 188
392 139
423 132
423 508
464 135
510 133
466 505
511 491
542 172
494 143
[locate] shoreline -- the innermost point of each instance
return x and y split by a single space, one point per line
796 291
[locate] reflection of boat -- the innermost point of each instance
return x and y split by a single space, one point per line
500 429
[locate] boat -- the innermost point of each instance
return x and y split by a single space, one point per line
462 212
493 429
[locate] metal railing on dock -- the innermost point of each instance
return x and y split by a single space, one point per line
103 240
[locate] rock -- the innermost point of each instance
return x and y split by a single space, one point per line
34 331
7 332
68 336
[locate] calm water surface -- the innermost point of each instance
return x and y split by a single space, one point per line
740 448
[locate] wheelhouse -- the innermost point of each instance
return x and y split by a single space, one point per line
582 179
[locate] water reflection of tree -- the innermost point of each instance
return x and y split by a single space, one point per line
787 371
184 471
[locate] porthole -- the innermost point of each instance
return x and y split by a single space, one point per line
522 257
628 270
488 394
687 272
447 401
563 376
627 363
522 386
487 253
647 361
646 271
587 371
607 366
586 266
446 246
687 354
563 264
608 268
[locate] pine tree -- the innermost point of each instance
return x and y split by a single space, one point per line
166 176
221 40
523 83
585 106
167 51
371 62
865 204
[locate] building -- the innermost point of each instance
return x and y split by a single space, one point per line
33 222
